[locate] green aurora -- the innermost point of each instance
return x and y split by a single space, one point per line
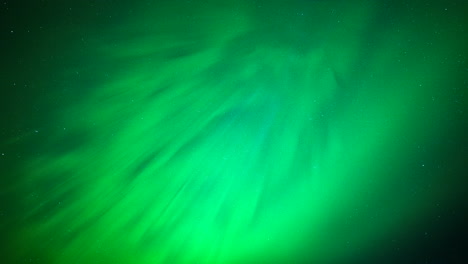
233 131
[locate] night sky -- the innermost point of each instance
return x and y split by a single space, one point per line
235 131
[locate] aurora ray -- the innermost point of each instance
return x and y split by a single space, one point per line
233 132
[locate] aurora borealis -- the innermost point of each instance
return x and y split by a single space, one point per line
233 131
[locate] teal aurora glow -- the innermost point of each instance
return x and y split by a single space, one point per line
233 131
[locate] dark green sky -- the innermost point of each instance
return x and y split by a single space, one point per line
233 131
